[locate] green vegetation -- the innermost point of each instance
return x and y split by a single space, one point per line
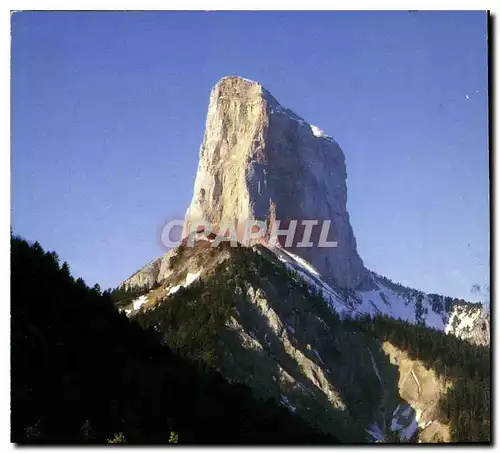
83 373
121 297
194 322
119 438
466 405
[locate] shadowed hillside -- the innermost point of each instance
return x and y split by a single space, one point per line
83 373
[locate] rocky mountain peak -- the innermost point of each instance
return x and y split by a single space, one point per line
350 351
235 86
261 161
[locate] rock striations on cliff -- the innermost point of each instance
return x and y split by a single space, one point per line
260 161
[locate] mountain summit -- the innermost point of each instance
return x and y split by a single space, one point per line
261 161
352 353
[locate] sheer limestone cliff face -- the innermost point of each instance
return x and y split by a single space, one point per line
260 161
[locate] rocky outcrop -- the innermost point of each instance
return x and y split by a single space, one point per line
469 322
145 277
261 161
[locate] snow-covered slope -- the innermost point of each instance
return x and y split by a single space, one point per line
308 273
465 320
410 305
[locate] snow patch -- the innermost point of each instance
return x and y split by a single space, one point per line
310 275
174 289
303 263
465 320
317 131
407 430
420 422
139 302
384 300
374 365
190 278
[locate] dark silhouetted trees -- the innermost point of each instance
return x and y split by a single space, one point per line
83 373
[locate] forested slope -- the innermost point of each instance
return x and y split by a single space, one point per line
81 372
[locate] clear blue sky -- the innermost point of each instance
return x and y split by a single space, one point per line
108 114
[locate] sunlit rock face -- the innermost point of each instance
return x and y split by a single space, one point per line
261 161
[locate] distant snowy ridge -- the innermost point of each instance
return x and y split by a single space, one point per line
392 300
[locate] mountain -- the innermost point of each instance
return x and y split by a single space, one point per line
256 158
261 162
83 373
254 319
347 350
463 319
